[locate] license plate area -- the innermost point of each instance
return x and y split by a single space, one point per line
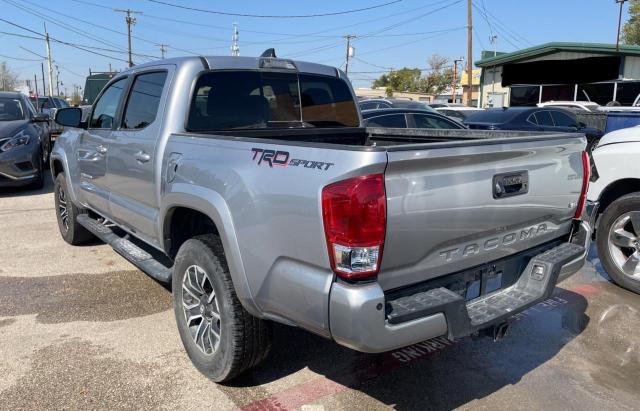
480 280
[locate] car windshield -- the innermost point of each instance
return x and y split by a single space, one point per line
11 109
231 100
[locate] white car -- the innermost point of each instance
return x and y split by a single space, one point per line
588 106
615 185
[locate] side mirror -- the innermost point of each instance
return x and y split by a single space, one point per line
69 117
40 118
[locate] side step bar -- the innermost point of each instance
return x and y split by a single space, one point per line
147 261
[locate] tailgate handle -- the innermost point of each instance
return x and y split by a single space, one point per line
510 184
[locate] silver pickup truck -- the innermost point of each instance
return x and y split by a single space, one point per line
250 185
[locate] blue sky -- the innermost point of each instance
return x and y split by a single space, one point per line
402 34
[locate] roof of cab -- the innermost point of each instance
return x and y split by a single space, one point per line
240 63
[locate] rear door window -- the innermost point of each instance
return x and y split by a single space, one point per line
544 119
389 121
562 119
144 99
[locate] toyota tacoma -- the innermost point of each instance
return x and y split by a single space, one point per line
251 186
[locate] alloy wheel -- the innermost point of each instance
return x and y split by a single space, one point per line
201 310
63 211
624 244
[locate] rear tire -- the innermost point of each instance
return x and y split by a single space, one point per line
618 241
221 338
67 214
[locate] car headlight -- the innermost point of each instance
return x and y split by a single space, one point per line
20 139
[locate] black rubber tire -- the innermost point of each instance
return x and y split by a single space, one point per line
38 183
630 202
75 234
245 341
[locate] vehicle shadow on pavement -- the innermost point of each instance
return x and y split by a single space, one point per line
437 374
28 191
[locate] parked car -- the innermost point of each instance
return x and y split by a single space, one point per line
586 106
24 142
49 105
408 118
376 103
259 195
458 113
549 119
615 186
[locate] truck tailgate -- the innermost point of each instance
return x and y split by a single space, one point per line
454 206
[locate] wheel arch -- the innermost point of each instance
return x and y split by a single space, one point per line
195 211
615 190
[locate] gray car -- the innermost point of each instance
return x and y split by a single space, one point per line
24 142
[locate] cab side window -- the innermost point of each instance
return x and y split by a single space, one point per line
144 100
105 109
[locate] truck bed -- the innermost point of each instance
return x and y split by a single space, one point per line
372 137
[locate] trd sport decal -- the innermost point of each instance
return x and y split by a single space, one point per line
281 158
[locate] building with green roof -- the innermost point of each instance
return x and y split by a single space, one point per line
560 71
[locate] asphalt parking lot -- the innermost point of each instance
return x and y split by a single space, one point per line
80 328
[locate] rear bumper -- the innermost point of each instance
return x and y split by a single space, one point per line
362 318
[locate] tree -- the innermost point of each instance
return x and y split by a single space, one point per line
8 79
439 77
631 29
405 79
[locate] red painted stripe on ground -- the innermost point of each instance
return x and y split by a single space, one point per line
367 369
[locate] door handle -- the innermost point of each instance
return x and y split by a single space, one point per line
142 157
101 149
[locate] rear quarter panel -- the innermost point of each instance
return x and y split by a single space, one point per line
272 214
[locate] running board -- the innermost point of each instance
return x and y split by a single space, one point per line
147 261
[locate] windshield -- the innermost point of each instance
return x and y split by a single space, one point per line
11 109
228 100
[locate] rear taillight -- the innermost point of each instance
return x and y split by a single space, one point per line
586 174
354 212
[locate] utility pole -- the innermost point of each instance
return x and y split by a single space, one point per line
350 51
621 3
44 89
469 53
235 46
131 20
49 66
454 84
57 81
35 81
163 50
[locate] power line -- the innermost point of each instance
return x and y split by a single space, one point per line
61 42
62 24
506 31
411 42
95 25
275 16
400 23
18 58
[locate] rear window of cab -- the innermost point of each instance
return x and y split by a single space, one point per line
232 100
